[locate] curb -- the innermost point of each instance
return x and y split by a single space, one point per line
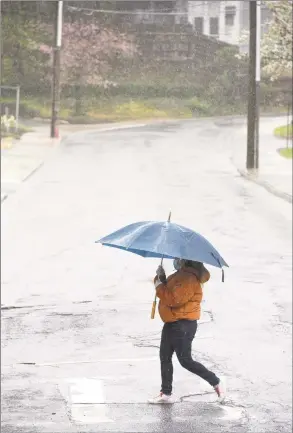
33 171
29 173
96 128
266 185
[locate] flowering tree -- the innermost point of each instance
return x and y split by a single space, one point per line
276 47
276 43
88 55
89 52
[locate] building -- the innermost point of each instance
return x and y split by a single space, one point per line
224 20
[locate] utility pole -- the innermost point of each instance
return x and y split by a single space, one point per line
0 65
56 68
252 91
257 79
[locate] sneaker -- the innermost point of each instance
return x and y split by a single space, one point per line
220 391
162 399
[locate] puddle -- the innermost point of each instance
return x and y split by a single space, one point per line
89 414
231 413
201 398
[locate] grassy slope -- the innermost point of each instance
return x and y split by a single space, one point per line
283 131
286 152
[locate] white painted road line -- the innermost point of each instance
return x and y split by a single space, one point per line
48 364
86 400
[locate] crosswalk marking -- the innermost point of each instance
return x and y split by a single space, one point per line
86 400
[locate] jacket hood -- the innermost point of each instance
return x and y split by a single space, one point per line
193 271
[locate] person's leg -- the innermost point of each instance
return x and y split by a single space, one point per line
166 353
183 335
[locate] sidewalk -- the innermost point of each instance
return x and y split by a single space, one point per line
275 172
21 158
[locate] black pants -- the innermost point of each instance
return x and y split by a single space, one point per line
177 337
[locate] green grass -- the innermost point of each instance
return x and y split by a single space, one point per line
286 152
6 142
16 135
93 109
284 131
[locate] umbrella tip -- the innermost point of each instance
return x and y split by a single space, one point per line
169 218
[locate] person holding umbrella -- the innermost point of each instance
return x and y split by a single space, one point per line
180 295
180 298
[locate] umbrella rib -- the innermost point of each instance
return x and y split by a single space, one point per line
147 226
139 232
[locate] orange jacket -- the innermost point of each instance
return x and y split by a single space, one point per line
181 296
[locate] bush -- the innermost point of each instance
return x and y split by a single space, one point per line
286 152
32 107
15 133
138 110
8 123
284 131
197 106
134 90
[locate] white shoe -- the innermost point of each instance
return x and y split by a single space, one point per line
162 399
220 391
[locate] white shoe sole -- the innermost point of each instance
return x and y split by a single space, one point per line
221 400
161 402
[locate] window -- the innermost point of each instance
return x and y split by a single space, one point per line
230 12
214 26
198 25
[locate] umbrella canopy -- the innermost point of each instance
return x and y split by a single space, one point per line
164 240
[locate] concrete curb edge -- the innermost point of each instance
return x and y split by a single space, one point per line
65 135
266 185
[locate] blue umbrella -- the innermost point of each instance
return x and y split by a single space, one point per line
164 240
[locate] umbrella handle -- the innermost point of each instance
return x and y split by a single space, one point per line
153 313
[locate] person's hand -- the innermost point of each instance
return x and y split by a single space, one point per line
160 271
161 274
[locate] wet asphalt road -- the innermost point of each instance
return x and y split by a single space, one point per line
79 351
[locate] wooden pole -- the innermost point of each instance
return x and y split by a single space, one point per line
56 69
252 91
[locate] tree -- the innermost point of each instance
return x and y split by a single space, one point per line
88 55
89 52
22 31
276 49
276 43
22 60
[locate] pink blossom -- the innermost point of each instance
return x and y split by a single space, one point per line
45 49
87 52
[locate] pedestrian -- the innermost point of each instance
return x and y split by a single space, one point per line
180 298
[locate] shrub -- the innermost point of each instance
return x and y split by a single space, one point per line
197 106
284 131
